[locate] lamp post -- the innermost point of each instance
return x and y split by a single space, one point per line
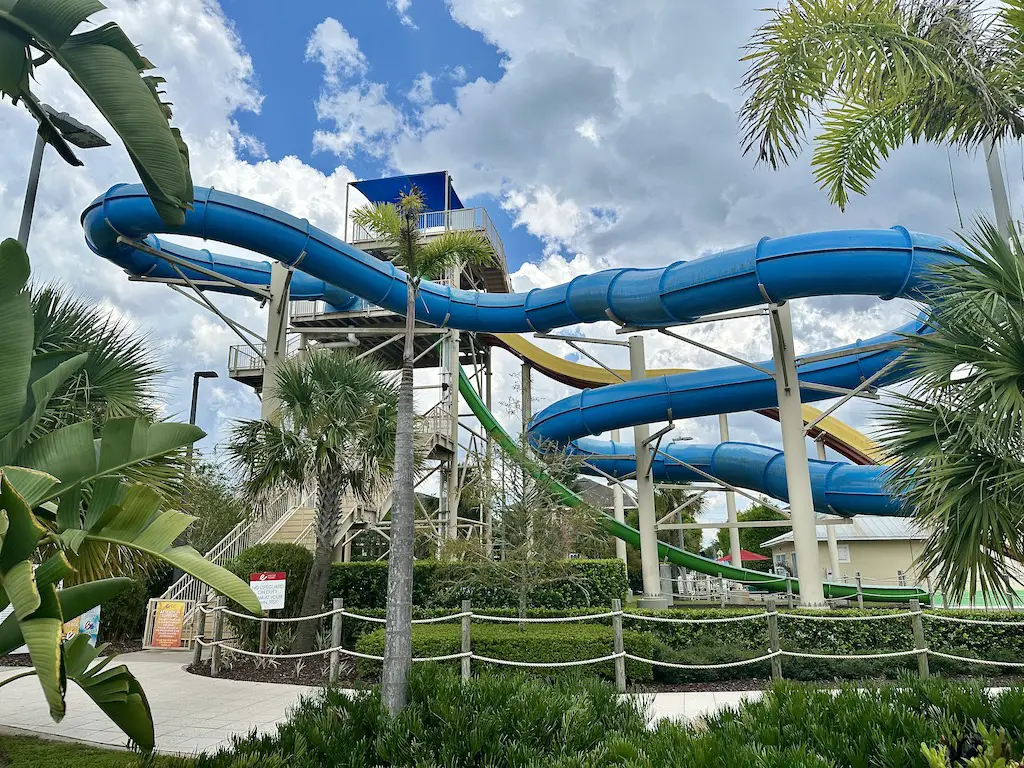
72 131
192 413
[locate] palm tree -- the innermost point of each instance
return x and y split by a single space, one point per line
877 74
957 440
118 378
106 65
398 227
336 425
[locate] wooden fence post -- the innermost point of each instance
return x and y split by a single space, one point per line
790 598
218 635
860 592
466 647
197 647
618 646
919 643
336 618
773 637
264 635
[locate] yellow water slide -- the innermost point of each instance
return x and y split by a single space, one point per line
841 437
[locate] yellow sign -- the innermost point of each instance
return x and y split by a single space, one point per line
167 623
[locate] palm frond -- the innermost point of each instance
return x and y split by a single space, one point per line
956 443
119 376
442 253
382 220
879 72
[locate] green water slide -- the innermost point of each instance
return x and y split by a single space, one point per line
675 555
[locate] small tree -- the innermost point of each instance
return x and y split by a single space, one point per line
214 502
337 428
534 531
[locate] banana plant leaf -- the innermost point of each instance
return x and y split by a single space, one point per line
74 601
115 690
107 66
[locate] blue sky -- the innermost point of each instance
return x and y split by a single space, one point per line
275 35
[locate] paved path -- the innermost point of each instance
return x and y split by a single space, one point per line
193 713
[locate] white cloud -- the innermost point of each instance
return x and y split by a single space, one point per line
401 7
209 79
422 91
458 73
358 108
332 45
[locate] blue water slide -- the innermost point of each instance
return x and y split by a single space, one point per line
885 263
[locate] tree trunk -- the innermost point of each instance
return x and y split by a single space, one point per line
328 506
398 625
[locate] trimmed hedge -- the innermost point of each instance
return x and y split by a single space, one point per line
445 585
537 642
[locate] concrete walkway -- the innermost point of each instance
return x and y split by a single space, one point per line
194 714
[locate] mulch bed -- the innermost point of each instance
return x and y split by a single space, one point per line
115 646
311 672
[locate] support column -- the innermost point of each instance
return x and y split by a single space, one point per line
1000 200
488 464
527 394
735 552
452 364
830 530
277 335
619 509
798 478
652 597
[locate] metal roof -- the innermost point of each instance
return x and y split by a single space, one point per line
864 528
431 185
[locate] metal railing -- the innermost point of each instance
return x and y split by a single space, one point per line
243 357
255 529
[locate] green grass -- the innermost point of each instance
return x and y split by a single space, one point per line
29 752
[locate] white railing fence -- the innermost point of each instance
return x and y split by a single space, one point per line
774 652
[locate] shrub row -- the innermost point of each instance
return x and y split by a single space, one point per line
573 584
534 642
514 721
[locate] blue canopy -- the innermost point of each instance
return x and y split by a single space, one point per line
431 185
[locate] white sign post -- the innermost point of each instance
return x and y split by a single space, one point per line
269 589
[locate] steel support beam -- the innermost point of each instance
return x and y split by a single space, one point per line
652 597
798 478
735 552
277 335
833 542
618 510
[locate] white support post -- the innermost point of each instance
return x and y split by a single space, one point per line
277 336
618 509
735 552
798 478
527 394
652 597
452 364
830 531
1000 200
488 466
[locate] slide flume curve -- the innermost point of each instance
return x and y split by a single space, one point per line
885 263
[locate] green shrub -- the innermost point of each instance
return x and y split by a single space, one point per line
512 720
290 558
123 617
446 585
535 642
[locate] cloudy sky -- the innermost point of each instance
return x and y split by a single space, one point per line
597 133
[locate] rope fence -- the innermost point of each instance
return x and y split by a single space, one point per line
775 653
